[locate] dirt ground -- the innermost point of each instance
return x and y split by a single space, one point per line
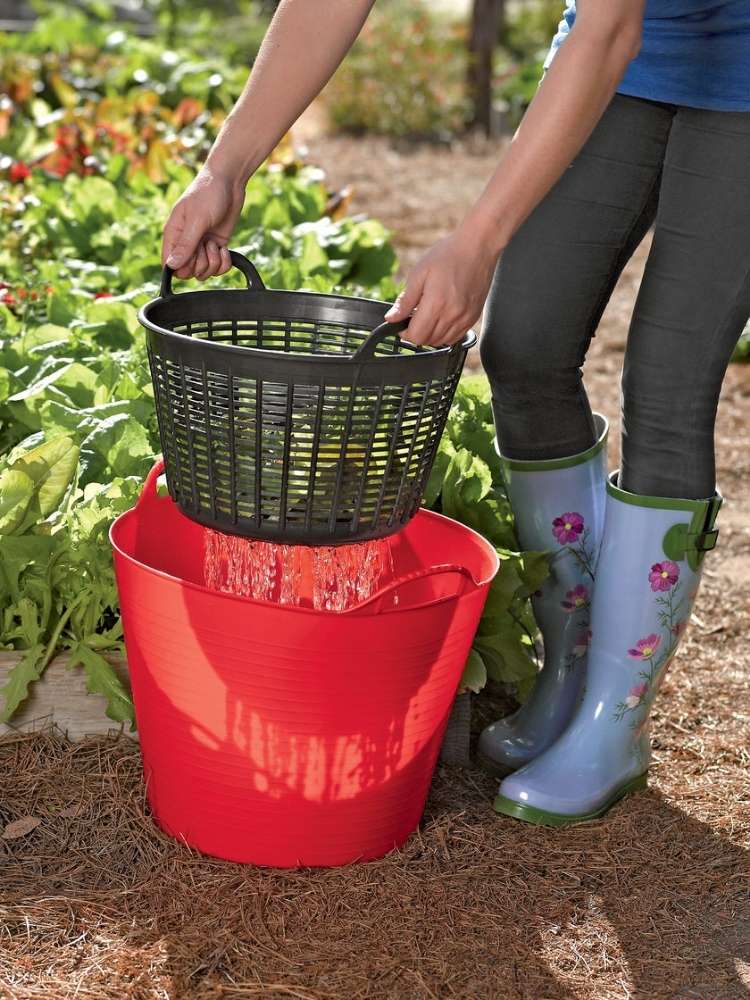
652 902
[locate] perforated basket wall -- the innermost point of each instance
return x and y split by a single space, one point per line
284 417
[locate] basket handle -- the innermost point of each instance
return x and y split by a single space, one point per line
239 261
366 350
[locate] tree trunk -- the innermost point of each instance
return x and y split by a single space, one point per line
486 21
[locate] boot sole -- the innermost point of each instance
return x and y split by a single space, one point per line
541 817
496 769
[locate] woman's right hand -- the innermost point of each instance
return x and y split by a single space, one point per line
200 225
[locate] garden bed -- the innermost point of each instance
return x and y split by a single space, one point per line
60 699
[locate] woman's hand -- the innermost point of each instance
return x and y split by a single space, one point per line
446 289
200 225
302 48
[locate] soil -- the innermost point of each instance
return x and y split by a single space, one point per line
651 902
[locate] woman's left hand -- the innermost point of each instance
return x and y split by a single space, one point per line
446 290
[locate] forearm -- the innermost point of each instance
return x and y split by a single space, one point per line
304 45
576 89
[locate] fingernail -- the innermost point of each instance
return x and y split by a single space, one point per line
173 261
391 313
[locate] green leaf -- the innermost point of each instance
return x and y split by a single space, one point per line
72 383
474 676
16 688
16 495
312 256
505 656
23 555
25 614
52 467
533 568
503 589
102 679
118 446
437 475
468 479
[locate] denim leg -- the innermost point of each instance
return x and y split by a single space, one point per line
554 280
692 306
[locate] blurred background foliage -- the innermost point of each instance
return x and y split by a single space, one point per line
418 69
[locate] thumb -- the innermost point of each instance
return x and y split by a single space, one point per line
407 300
183 245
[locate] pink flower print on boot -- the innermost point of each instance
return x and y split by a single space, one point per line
582 641
567 528
645 648
575 599
664 575
636 695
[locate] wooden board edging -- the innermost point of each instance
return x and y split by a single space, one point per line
60 697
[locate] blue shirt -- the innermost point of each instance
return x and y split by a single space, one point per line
693 52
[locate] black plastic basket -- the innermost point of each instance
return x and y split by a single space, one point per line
294 416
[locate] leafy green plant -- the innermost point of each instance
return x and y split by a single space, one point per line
466 484
78 257
404 76
79 253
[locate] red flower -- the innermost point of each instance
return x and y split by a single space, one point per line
8 299
18 172
103 295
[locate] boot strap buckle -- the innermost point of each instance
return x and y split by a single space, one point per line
704 541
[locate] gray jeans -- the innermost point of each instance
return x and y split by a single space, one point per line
687 172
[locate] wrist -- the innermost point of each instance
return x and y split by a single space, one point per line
232 162
232 173
487 227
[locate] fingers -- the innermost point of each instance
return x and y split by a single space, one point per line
408 299
225 261
182 235
213 256
434 317
201 269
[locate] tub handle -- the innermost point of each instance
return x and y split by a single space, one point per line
442 569
149 492
149 495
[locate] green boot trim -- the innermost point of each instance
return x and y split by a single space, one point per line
682 541
546 464
540 817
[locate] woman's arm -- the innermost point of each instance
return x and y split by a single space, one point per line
450 283
306 41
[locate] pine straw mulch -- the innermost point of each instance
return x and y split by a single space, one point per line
652 902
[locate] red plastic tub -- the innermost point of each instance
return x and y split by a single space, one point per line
287 736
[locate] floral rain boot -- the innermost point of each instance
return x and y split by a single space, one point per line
558 505
647 577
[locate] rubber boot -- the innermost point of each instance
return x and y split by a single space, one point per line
558 505
647 577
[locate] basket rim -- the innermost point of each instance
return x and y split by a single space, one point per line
420 352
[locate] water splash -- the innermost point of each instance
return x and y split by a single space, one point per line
325 577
